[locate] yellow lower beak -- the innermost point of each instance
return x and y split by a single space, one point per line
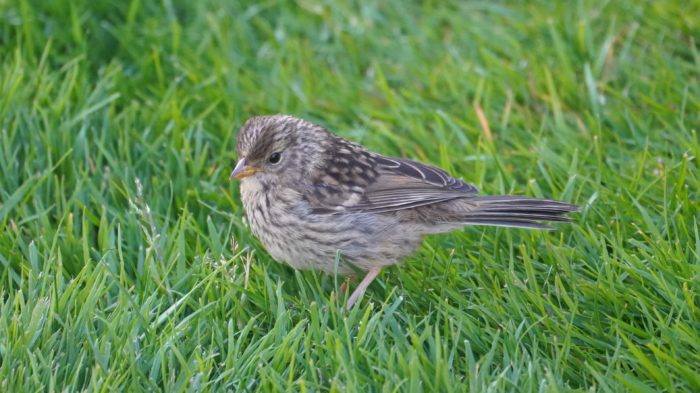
242 170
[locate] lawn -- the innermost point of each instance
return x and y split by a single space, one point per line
126 263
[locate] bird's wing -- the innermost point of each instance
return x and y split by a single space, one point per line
383 185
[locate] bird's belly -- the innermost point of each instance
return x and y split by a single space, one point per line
292 234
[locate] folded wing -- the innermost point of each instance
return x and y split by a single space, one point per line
384 184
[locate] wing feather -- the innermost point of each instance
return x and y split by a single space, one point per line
391 184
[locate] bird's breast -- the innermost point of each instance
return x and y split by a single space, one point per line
282 219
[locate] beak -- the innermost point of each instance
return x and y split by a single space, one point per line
242 170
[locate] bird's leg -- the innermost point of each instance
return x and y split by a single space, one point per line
362 287
345 286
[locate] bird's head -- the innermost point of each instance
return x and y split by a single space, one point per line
279 147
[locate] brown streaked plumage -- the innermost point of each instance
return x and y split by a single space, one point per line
310 194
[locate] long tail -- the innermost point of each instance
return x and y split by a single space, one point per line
516 211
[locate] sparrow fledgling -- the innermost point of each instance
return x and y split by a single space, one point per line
309 194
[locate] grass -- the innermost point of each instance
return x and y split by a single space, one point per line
125 263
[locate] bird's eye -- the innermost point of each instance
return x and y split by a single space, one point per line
275 157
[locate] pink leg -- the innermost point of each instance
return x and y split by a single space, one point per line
345 286
371 275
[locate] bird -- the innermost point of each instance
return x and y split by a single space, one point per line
310 195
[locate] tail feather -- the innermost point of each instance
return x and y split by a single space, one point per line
516 211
